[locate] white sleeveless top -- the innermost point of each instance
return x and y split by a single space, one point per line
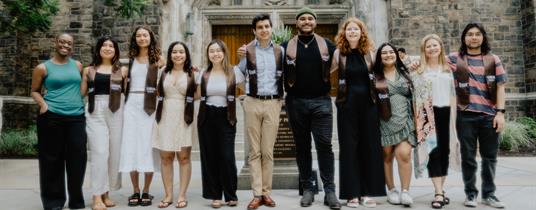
138 75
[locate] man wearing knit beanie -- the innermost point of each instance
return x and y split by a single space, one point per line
305 10
308 58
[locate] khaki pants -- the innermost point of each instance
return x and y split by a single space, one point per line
262 122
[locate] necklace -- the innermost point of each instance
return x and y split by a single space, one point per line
306 44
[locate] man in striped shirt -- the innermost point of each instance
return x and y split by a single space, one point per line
480 88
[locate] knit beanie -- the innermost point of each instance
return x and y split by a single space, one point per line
305 10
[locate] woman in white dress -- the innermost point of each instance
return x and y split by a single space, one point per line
175 128
139 117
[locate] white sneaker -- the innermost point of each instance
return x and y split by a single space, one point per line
493 202
470 201
354 203
393 197
367 202
405 198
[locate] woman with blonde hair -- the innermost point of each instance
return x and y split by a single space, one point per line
435 104
361 169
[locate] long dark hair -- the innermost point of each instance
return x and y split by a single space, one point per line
97 59
187 62
225 63
485 48
154 48
399 65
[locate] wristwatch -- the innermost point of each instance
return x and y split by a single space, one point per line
500 110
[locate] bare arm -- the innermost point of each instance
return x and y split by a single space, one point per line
38 76
83 84
498 121
124 72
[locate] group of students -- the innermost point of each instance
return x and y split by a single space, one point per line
140 117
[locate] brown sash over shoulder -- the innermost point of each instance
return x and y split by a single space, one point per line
251 68
116 88
189 99
149 104
231 102
384 104
292 48
342 89
461 75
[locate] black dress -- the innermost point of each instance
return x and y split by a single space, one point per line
361 160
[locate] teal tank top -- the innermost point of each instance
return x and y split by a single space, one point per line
62 83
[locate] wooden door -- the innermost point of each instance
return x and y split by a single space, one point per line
234 37
328 31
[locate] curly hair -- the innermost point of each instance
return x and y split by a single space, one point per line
365 44
154 48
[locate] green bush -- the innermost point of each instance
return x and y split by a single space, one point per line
281 34
514 136
531 125
19 142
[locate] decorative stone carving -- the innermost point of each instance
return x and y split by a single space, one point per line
336 1
275 2
214 3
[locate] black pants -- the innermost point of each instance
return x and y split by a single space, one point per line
472 126
361 171
61 141
314 116
218 165
438 162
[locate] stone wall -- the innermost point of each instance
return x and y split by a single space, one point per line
528 22
20 53
412 19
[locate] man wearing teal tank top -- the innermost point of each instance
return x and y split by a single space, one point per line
61 135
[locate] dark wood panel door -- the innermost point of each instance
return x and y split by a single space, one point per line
234 37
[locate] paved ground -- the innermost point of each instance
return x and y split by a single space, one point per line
516 185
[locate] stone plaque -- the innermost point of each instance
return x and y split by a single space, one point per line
284 148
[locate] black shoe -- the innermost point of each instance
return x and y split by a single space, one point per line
331 200
55 208
307 198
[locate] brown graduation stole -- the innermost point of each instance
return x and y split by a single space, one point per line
251 64
342 89
149 100
189 99
231 102
116 88
461 75
384 104
292 48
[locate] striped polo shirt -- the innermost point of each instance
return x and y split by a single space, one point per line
479 96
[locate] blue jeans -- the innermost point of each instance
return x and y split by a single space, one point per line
472 126
306 116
